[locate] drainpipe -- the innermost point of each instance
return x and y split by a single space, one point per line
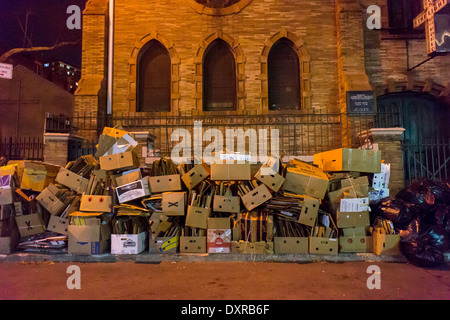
110 57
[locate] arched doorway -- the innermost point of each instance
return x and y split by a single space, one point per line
426 147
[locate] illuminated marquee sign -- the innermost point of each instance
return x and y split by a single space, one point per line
436 18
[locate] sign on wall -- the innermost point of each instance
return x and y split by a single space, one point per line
6 71
360 102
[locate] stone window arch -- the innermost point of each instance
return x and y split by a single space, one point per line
212 8
239 65
304 68
133 74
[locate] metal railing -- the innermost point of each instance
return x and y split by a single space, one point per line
22 148
297 133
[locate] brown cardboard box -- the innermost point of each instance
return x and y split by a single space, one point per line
119 161
174 203
356 243
72 180
90 235
227 204
309 212
357 191
230 170
352 219
193 244
197 217
291 245
256 197
30 224
6 189
95 203
50 202
268 174
159 223
165 183
164 245
58 225
38 175
128 178
323 245
245 247
349 160
9 233
196 175
307 180
386 244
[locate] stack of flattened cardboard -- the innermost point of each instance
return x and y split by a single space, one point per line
357 177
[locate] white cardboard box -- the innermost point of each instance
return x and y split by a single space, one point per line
128 243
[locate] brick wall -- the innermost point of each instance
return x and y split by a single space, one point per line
313 23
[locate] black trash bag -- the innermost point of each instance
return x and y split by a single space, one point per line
420 196
401 213
423 247
440 190
422 255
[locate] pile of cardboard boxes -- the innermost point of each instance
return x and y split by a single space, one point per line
107 203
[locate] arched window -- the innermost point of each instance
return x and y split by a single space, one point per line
283 76
219 77
154 83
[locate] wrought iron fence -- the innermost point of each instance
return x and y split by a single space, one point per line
297 133
22 148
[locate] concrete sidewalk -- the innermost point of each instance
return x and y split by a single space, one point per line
221 280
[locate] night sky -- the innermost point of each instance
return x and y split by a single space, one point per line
46 27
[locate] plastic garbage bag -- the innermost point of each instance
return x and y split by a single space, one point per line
401 213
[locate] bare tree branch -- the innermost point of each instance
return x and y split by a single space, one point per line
9 53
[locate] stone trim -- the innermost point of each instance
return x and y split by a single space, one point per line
233 9
239 63
304 64
175 70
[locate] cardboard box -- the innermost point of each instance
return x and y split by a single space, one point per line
307 180
353 231
197 217
6 190
95 203
376 195
354 205
256 197
230 170
50 202
355 244
30 224
227 204
352 219
123 144
378 181
128 243
164 244
218 235
356 191
91 236
386 244
245 247
310 210
349 160
135 175
166 183
174 203
58 225
159 223
196 175
291 245
193 244
320 245
72 180
38 175
120 161
351 182
133 190
268 174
